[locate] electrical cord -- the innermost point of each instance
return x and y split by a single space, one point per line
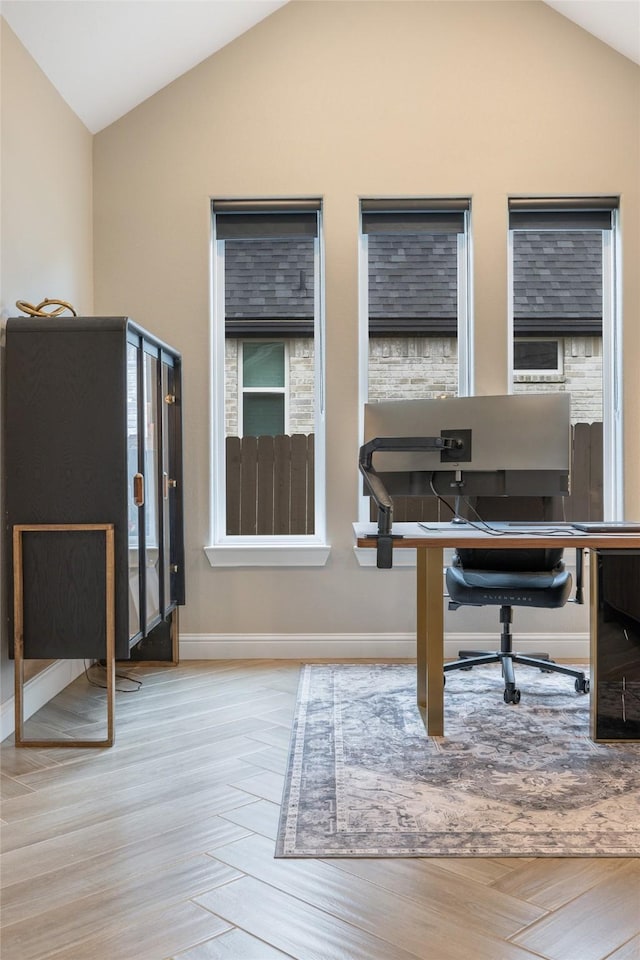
484 527
119 676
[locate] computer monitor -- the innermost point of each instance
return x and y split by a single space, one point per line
514 445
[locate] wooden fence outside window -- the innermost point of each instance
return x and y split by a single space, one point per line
270 487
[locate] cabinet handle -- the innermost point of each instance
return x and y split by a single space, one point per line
138 489
167 482
170 398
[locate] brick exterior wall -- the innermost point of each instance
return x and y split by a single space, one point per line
301 385
412 368
424 367
557 280
581 377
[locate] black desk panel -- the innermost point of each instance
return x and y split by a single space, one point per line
616 650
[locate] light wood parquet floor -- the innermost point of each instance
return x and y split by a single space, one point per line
162 847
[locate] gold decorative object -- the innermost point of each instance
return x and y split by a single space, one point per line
39 311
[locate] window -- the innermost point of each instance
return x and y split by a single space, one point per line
267 374
537 359
263 389
563 279
415 314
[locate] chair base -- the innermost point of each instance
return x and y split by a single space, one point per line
469 659
506 657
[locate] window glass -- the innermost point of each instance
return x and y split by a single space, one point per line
563 266
535 355
268 378
557 289
263 364
415 317
415 265
263 415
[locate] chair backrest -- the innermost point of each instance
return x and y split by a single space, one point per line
534 559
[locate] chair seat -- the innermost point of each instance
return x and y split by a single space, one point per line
474 587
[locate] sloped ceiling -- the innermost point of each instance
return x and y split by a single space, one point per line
616 22
106 56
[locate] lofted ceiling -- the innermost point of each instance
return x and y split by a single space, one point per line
106 56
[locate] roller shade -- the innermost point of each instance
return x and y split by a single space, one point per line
277 220
574 213
414 216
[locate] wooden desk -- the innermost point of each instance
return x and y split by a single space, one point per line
429 546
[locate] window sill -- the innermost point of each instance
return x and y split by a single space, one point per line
268 554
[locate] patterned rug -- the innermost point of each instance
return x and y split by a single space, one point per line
364 780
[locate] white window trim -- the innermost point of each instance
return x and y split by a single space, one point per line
233 551
465 340
612 374
466 358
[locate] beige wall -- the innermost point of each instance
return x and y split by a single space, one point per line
46 209
342 100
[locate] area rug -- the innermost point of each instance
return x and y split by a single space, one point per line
365 780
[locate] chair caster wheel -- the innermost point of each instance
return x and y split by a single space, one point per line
512 696
582 686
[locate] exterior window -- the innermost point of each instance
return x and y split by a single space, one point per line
415 309
565 323
263 389
531 357
268 416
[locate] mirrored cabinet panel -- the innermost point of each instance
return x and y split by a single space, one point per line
93 428
615 645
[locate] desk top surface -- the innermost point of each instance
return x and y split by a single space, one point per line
495 534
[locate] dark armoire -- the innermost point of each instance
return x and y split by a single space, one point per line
93 435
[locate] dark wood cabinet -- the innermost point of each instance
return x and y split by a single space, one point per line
93 435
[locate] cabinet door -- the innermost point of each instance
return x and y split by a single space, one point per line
151 459
171 554
135 490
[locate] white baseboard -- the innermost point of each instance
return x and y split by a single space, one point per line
218 646
38 691
258 646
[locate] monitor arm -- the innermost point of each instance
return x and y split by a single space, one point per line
377 489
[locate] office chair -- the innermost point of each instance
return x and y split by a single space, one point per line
512 578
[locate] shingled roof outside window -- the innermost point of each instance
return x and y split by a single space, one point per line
557 283
413 285
269 288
